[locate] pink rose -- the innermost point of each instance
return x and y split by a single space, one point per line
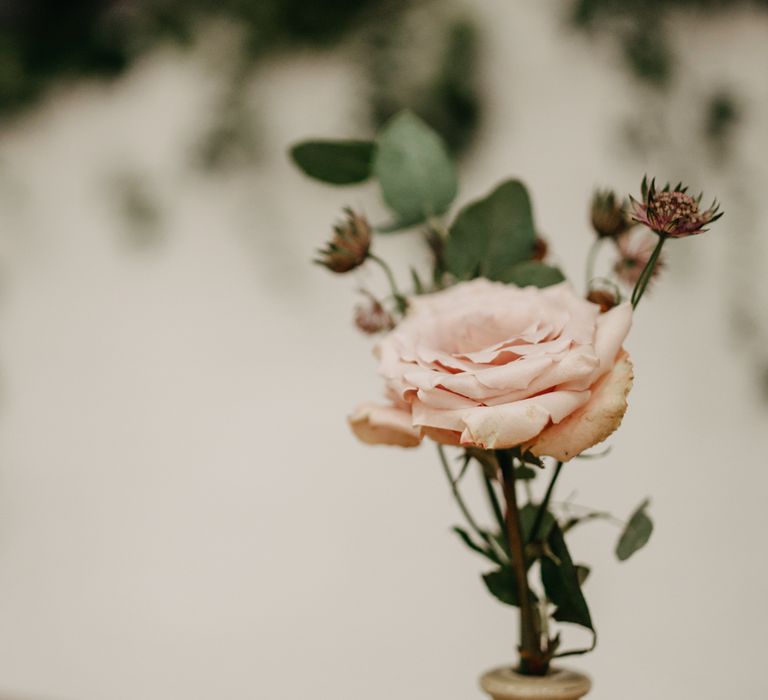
491 365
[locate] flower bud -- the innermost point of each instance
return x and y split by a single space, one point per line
609 218
606 299
635 250
672 212
372 317
349 246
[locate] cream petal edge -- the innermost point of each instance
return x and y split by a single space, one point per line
593 422
384 425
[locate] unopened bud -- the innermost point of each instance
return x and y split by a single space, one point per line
372 318
609 218
606 299
635 251
349 246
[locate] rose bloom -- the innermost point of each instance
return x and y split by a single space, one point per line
491 365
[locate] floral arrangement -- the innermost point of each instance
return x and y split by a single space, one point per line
497 359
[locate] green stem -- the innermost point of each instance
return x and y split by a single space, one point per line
592 258
400 300
532 660
496 507
647 273
544 504
465 511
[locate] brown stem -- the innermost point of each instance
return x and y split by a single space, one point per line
533 661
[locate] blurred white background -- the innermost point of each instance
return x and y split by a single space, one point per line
183 511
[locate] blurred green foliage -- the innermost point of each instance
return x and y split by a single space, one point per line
449 101
639 26
43 42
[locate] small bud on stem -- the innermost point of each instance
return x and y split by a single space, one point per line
608 215
350 245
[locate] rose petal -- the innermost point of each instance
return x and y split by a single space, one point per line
384 425
612 328
572 372
445 400
513 423
444 437
594 421
482 383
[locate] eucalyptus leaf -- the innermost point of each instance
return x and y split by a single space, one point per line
561 580
636 533
530 458
486 459
467 540
492 235
335 162
502 585
528 517
525 473
416 175
533 273
582 573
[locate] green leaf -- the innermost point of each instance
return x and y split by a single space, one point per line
533 273
416 174
636 533
500 539
582 573
486 459
530 458
525 473
335 162
492 235
561 581
527 518
502 585
467 540
418 285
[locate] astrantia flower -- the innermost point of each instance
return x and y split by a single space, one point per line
672 213
635 250
489 365
349 246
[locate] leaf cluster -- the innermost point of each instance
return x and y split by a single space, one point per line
493 237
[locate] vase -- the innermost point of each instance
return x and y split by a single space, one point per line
559 684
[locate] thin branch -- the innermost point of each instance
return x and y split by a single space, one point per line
465 511
544 504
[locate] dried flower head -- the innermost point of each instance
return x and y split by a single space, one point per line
672 212
606 298
372 317
609 215
350 244
635 250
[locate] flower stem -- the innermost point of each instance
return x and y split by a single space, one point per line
400 300
647 273
496 507
544 504
592 258
465 511
532 660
